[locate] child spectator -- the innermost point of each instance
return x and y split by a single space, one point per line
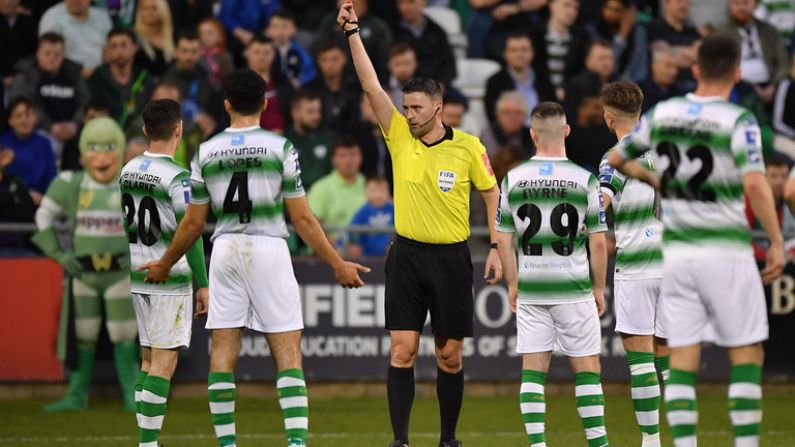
33 160
377 212
291 59
216 60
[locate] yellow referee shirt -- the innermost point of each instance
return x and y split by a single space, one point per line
432 183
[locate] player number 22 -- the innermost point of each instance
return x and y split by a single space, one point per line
561 247
149 235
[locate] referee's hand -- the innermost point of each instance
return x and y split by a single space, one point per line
493 264
348 274
346 14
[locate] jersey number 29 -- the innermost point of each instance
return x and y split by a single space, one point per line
559 246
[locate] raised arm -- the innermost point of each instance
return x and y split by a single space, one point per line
379 100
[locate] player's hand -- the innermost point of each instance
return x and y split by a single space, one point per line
775 263
493 264
202 302
348 274
157 272
347 14
600 301
513 296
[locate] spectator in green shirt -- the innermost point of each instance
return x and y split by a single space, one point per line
335 198
311 141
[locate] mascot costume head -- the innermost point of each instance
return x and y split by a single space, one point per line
102 146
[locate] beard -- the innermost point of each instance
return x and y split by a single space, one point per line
421 131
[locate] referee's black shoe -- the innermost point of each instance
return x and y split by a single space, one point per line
398 443
451 443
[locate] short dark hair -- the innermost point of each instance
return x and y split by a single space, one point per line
718 57
328 45
161 117
305 95
377 179
400 48
190 35
51 38
777 159
346 141
430 87
245 91
284 14
547 109
517 35
260 38
120 31
19 101
623 96
598 42
454 96
98 103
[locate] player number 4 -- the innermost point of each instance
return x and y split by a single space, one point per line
238 186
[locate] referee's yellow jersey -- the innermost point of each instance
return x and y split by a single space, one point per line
433 182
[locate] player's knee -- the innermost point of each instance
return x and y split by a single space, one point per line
403 356
450 361
120 331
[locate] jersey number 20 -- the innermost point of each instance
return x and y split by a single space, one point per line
148 235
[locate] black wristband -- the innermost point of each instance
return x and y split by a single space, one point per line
351 32
493 246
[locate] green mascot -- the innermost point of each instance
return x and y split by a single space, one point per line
97 261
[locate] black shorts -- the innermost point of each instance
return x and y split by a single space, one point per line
424 277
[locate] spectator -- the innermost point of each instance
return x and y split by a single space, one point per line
70 158
675 30
121 12
599 70
124 85
375 33
310 140
292 61
376 160
16 205
155 32
784 106
339 90
186 15
509 131
559 45
243 19
518 74
780 14
17 28
377 212
200 101
33 160
744 94
336 197
454 107
260 55
435 57
661 85
590 138
135 146
55 87
507 17
84 29
777 167
618 24
216 60
402 66
764 59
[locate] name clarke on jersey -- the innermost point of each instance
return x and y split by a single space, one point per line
140 181
225 162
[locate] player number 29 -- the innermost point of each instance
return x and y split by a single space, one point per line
562 247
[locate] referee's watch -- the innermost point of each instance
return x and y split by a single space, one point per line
493 246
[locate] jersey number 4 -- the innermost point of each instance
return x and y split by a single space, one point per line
560 246
242 206
147 206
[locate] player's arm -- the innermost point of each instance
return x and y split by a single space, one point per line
631 168
504 230
622 158
309 229
379 100
189 230
180 190
789 194
596 225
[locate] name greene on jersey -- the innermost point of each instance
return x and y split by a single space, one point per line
226 162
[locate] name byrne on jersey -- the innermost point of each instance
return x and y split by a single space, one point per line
546 188
140 181
227 162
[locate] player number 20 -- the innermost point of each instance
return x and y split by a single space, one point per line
562 247
148 206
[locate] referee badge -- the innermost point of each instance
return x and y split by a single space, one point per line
446 180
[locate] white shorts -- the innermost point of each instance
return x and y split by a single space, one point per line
725 294
252 285
572 329
164 321
638 307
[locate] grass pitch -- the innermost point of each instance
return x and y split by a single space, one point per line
364 422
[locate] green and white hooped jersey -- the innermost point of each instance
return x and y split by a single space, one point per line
702 146
551 203
636 213
155 192
245 174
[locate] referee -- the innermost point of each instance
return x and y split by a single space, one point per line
428 267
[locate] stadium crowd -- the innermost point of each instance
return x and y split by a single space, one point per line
65 63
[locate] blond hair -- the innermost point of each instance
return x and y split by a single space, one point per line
166 30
